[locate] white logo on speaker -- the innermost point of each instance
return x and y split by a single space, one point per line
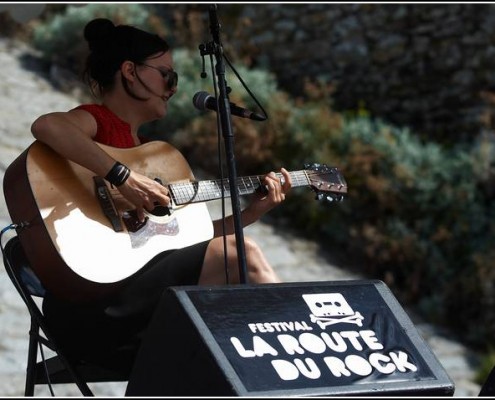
331 308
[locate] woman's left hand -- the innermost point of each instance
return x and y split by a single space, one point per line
276 190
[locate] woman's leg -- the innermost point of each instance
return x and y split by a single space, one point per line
213 271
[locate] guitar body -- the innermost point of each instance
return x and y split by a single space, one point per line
71 243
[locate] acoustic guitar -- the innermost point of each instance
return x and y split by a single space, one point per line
82 238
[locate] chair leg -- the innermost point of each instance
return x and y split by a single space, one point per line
83 386
31 370
488 388
32 358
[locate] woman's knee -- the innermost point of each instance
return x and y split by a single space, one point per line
252 248
259 269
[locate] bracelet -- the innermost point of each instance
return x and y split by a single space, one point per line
118 174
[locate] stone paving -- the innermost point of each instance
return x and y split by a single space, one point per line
24 95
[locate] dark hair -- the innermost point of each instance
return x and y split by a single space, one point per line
111 45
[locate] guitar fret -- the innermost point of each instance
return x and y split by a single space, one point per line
258 182
209 190
241 185
299 178
248 186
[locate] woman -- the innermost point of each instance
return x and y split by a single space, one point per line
132 71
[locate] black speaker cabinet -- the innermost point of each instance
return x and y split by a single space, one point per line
348 338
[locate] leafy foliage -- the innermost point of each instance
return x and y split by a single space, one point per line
60 38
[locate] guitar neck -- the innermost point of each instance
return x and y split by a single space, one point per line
201 191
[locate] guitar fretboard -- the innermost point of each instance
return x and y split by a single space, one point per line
194 192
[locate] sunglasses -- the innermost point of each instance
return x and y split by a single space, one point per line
170 75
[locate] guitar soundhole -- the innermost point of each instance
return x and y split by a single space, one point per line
160 211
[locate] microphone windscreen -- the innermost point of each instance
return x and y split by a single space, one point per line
199 100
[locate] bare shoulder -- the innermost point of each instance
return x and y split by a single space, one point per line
61 122
83 119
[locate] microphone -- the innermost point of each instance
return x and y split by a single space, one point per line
203 101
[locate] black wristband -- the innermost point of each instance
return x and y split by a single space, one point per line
118 174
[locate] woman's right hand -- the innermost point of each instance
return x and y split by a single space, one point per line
144 193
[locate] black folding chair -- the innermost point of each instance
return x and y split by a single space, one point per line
58 368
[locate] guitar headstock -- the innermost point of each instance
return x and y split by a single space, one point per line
327 182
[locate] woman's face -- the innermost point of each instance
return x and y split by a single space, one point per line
158 83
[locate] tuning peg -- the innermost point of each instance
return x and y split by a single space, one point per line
313 166
320 196
329 197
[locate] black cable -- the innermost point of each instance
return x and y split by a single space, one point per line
5 258
245 86
220 165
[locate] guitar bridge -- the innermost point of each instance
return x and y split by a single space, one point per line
106 202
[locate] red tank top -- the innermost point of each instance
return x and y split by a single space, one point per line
111 130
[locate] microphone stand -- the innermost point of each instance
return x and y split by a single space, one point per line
215 48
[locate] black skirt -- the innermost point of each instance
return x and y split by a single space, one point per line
109 331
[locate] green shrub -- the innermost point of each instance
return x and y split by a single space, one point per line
414 216
60 38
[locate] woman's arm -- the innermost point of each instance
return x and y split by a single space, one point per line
260 204
71 135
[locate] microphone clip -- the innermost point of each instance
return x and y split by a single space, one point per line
205 49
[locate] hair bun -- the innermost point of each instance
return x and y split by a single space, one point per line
96 30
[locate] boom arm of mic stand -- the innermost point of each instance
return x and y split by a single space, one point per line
226 127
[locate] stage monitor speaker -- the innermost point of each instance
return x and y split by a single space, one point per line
290 339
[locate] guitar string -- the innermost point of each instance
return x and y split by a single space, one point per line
245 185
210 189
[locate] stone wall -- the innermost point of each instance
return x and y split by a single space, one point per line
427 66
422 65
